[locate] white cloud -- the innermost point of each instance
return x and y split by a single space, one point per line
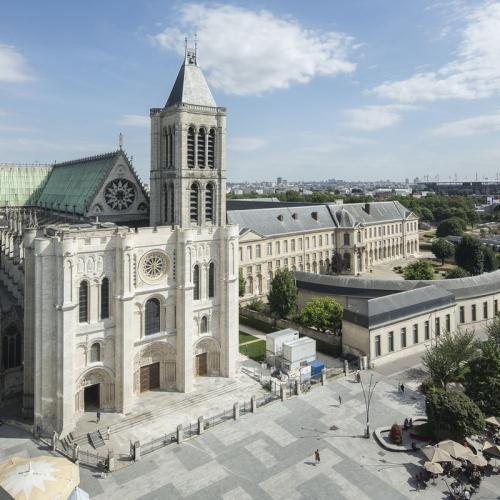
12 65
376 117
473 74
250 52
469 126
246 144
134 121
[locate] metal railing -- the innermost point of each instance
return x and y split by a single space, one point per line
93 459
156 444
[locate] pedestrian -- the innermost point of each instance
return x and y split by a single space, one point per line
108 432
410 423
98 415
316 457
358 376
405 425
402 388
340 399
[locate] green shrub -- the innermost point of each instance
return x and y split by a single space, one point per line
395 434
256 305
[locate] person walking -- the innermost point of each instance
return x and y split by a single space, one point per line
98 415
316 457
340 399
402 388
108 433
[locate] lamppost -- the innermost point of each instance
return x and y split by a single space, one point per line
368 399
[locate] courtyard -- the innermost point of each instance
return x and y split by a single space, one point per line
270 454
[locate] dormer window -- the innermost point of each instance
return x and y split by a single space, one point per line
280 218
314 215
295 216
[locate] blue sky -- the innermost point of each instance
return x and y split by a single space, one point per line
364 89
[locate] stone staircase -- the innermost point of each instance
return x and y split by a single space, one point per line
141 418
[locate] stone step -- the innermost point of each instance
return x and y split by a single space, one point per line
138 419
96 439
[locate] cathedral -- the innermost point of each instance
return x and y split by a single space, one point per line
113 305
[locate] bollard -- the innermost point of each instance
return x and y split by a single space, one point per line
201 427
346 367
76 453
253 404
282 392
365 362
297 387
323 377
111 461
236 411
137 451
180 433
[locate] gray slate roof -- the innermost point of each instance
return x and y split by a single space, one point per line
190 87
386 310
462 288
266 221
350 214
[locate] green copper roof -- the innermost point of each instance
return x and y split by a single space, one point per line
72 185
20 185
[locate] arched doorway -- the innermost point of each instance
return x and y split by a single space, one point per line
95 389
207 358
155 368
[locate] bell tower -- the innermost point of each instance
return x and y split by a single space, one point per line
188 170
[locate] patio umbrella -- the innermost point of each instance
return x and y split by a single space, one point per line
492 421
454 449
478 460
491 449
38 478
435 454
433 467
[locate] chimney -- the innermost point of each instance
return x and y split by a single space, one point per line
367 208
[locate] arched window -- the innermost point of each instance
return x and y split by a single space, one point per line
190 147
211 148
167 148
204 325
209 203
170 158
105 298
201 147
193 202
95 352
166 202
152 321
83 302
196 282
211 280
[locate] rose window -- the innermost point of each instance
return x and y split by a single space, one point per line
154 265
119 194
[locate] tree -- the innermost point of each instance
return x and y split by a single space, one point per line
469 255
482 381
442 249
451 227
426 214
322 313
453 415
456 272
419 270
493 330
241 283
490 262
447 360
283 295
338 263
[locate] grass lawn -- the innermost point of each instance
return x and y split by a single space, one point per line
255 350
246 337
258 325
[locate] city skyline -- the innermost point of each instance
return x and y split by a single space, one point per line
324 91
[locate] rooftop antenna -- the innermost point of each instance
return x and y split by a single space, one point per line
185 47
120 141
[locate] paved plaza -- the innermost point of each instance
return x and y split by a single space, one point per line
269 455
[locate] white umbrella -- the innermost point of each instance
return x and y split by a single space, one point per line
435 454
433 467
79 494
454 449
478 460
38 478
493 421
491 449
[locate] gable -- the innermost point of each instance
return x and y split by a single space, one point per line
249 235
